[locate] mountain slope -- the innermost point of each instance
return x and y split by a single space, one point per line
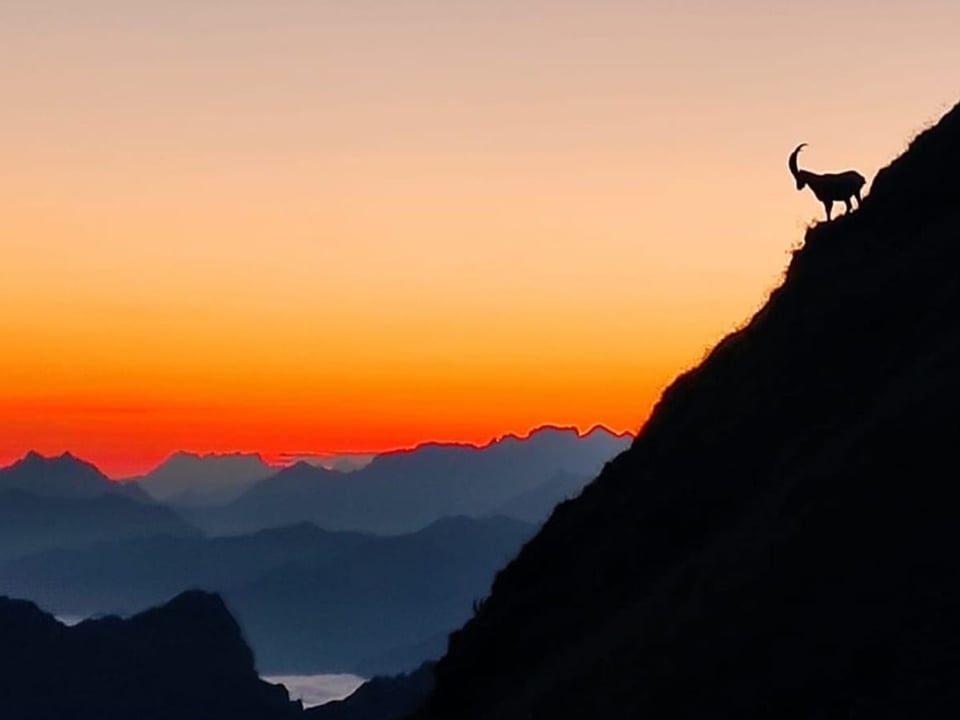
183 660
779 541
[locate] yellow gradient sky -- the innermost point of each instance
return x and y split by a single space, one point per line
309 226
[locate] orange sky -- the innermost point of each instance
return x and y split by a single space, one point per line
317 226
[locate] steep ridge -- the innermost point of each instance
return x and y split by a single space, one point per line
186 660
780 540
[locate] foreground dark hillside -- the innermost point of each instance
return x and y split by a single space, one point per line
781 541
184 660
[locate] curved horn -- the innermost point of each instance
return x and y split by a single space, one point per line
793 159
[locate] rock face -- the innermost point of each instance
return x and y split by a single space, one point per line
781 539
184 660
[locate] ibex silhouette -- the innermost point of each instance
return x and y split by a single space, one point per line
831 187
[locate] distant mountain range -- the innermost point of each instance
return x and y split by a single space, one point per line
64 502
397 492
185 660
437 522
404 491
309 600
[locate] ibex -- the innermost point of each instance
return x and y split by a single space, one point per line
831 187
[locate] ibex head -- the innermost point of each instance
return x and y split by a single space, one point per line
800 177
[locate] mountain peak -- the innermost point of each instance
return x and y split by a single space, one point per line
208 478
34 457
62 475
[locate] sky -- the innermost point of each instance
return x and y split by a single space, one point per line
303 226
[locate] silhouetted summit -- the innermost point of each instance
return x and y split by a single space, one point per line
190 479
184 660
63 476
781 539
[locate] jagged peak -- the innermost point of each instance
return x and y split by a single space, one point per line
33 459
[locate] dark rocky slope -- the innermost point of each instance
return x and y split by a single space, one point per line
184 660
781 540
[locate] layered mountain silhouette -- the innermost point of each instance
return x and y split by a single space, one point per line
781 539
196 480
31 523
185 660
405 491
64 476
128 576
64 502
309 600
381 609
